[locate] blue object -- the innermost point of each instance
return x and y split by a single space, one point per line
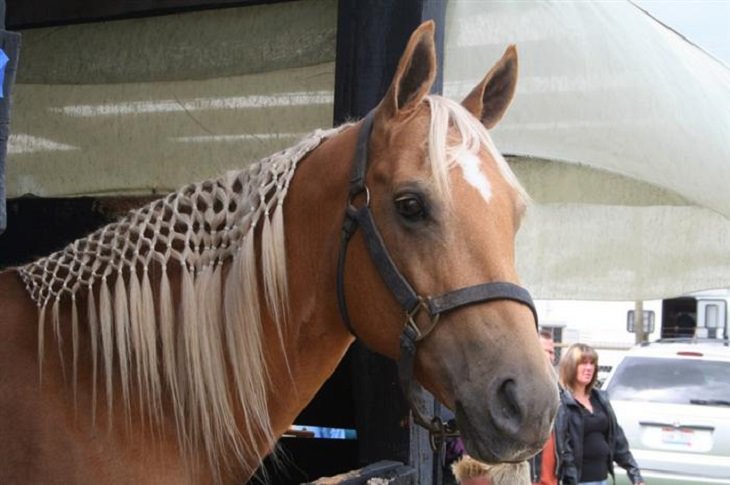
3 63
329 433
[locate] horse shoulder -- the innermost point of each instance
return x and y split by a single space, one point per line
43 438
20 403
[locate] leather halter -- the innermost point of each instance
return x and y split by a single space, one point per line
403 292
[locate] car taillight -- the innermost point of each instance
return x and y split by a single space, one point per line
688 353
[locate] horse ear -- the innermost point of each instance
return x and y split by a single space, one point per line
490 99
415 74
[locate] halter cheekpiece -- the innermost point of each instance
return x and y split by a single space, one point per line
410 301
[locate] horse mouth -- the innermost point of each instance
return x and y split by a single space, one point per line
486 443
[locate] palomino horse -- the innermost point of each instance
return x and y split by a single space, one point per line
194 330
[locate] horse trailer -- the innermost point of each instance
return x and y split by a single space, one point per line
702 314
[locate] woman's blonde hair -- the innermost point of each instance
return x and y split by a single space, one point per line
577 354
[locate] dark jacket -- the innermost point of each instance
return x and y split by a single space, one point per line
569 440
536 466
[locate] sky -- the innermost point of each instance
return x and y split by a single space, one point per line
706 23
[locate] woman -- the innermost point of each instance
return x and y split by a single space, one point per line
588 437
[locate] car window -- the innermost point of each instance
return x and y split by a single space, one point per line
675 381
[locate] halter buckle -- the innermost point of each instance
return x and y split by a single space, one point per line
411 322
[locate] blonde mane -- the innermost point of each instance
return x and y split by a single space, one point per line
219 325
204 344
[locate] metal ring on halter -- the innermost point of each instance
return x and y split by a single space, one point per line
437 434
439 431
411 322
352 195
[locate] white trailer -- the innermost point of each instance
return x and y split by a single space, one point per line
703 314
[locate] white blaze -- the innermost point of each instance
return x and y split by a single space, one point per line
471 168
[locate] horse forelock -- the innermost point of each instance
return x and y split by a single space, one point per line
471 136
199 228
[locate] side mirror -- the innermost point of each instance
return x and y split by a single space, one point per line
649 318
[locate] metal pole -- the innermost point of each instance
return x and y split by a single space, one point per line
639 321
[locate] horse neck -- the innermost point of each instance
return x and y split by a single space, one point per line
314 339
317 339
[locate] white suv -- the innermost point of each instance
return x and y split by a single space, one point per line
672 399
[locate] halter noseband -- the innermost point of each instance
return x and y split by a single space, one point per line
409 300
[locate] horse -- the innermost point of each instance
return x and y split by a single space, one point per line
178 343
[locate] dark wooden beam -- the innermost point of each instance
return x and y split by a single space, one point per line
25 14
371 36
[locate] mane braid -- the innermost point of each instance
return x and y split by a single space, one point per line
192 345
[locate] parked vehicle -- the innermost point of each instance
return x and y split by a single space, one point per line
704 314
672 399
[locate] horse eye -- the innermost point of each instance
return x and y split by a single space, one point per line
410 207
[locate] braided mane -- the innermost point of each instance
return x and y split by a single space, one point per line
218 337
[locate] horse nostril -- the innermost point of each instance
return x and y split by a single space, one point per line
508 414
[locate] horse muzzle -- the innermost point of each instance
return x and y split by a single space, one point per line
513 425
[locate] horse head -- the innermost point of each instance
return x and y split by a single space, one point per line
448 207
